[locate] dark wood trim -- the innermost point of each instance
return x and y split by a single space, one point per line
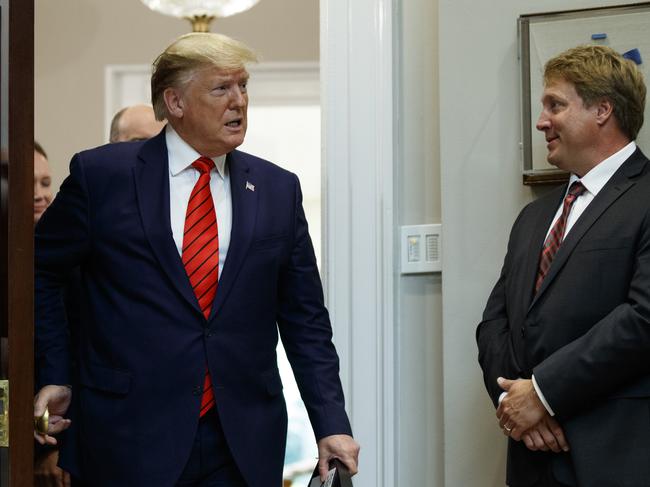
580 11
538 178
20 253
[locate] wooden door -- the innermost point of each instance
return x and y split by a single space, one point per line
16 236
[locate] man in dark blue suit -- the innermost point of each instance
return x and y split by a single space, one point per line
193 256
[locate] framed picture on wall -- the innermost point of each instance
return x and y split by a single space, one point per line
541 36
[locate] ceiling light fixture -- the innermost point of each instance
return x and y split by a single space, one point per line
200 12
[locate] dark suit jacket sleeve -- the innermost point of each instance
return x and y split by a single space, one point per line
493 335
306 333
61 244
612 355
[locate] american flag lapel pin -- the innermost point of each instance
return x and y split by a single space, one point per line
249 186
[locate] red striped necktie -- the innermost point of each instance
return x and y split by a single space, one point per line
201 253
556 235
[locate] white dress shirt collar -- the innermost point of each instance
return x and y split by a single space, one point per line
595 179
182 155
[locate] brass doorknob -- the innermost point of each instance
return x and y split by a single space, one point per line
42 423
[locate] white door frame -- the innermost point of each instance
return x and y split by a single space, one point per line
359 134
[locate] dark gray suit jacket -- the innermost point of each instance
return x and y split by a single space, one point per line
585 335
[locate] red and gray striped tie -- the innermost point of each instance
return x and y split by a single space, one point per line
556 235
201 253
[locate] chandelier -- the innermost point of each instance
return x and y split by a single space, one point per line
199 12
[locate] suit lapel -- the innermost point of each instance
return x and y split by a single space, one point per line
152 187
619 183
244 191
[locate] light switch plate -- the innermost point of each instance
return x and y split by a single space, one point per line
421 250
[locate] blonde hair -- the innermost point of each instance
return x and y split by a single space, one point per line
599 72
189 53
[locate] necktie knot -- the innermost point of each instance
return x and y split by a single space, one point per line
203 164
576 189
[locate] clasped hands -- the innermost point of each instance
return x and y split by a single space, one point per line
523 417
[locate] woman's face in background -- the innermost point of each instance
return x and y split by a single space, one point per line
42 185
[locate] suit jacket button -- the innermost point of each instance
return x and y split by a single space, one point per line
207 333
197 390
523 332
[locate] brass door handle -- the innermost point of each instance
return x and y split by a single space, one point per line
4 413
42 423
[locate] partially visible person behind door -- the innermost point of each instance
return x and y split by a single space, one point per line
136 122
46 471
42 182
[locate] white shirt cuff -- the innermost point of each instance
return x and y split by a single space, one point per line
541 397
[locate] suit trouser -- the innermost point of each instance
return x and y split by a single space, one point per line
546 480
211 464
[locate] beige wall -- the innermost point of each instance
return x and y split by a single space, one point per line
420 408
74 40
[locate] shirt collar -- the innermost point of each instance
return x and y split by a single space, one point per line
595 179
181 154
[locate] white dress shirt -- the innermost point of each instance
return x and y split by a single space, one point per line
593 182
183 177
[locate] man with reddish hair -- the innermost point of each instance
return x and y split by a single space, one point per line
565 337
